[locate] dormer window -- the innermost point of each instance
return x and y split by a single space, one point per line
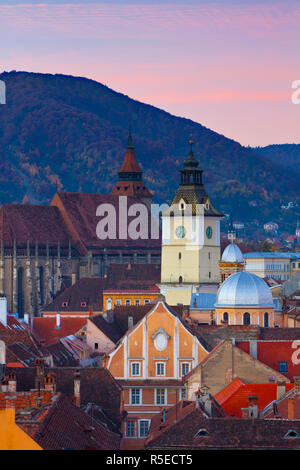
83 304
65 304
292 434
202 433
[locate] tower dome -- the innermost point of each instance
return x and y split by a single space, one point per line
232 254
244 289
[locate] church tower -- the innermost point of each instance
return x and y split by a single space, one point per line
190 239
131 177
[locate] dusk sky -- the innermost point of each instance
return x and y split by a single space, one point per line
228 65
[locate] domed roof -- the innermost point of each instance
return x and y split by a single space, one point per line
244 289
232 254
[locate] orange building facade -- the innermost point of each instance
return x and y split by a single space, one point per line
150 362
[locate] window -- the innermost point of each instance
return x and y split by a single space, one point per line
209 274
266 320
180 279
185 368
135 396
83 304
182 394
246 318
96 346
225 317
179 255
202 433
144 425
291 434
135 368
118 302
127 302
282 366
160 396
64 304
147 301
160 368
130 429
137 302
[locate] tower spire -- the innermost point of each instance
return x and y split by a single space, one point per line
130 141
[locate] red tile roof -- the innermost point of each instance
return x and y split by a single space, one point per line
234 397
61 425
135 277
32 222
80 297
45 328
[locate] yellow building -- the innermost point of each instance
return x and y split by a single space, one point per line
276 265
12 437
111 298
190 239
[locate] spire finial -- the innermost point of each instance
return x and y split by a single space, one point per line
130 141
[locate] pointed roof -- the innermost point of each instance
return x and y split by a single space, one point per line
130 165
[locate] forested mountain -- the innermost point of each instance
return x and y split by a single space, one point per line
287 155
69 131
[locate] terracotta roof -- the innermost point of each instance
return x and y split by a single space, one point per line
22 222
130 165
234 397
62 425
194 431
97 386
281 409
111 330
132 276
279 333
20 400
85 293
19 343
45 328
61 356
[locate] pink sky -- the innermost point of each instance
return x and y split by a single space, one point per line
228 64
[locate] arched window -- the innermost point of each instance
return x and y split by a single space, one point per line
180 279
266 320
20 292
225 317
246 318
179 255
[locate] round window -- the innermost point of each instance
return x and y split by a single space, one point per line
160 342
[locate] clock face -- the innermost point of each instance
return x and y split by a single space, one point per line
209 232
180 231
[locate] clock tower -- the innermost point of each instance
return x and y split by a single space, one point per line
190 239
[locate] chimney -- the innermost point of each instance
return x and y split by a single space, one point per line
203 400
297 385
12 382
4 384
77 388
38 401
280 389
253 408
90 311
50 382
291 408
73 278
3 310
129 266
26 318
39 374
130 322
57 320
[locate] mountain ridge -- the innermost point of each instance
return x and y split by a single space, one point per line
72 131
